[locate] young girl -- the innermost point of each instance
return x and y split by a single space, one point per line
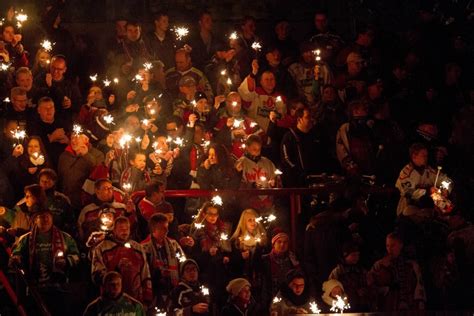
41 63
248 243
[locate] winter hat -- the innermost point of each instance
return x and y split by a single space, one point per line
277 234
236 285
328 286
185 263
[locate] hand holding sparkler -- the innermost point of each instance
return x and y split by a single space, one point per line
19 135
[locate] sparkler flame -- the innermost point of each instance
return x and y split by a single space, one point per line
340 304
116 81
181 257
237 123
445 185
47 45
181 32
314 308
276 299
278 172
21 17
127 187
223 72
124 140
93 78
147 66
77 129
127 245
233 36
138 78
106 82
229 82
19 134
198 225
60 254
4 66
204 290
217 200
278 99
109 119
256 46
224 236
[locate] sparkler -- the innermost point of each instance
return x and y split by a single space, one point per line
217 200
106 221
148 66
229 82
116 81
127 245
204 290
179 141
47 45
159 312
19 135
106 82
124 140
314 308
223 72
278 172
445 185
137 78
317 54
77 129
224 237
198 225
4 66
340 304
7 100
276 300
21 18
60 254
109 119
278 99
247 237
234 103
180 256
181 32
253 124
256 46
437 175
233 36
93 78
237 123
138 139
127 187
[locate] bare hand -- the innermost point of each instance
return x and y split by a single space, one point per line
66 102
145 142
218 100
18 151
255 67
245 254
192 119
200 308
207 164
225 260
131 95
49 79
272 116
238 166
230 122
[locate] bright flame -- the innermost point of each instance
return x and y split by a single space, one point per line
256 46
147 66
127 245
93 78
276 299
204 290
314 308
224 236
237 123
106 82
445 185
340 304
217 200
181 32
77 129
127 187
278 172
47 45
109 119
233 36
124 140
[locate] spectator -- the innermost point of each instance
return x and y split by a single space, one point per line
240 298
160 43
293 296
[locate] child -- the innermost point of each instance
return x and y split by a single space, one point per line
136 174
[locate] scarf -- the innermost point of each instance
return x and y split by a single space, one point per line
168 268
57 245
296 300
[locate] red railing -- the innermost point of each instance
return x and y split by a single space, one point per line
294 195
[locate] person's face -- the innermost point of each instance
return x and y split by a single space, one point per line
254 149
44 59
162 144
250 222
172 130
321 22
44 222
153 108
8 34
120 28
245 294
46 111
159 196
394 247
190 273
281 245
212 156
139 162
308 57
206 22
355 67
273 58
375 91
366 38
30 200
162 23
97 92
46 182
282 30
233 104
305 123
329 95
420 158
182 61
268 82
337 291
19 102
212 214
160 231
9 129
24 81
113 288
170 217
33 147
122 231
58 69
249 27
297 286
188 90
105 192
202 105
133 33
353 257
133 124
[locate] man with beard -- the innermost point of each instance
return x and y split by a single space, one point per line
113 300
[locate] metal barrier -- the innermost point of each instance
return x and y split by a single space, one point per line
293 193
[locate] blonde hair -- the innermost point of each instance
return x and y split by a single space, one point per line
241 229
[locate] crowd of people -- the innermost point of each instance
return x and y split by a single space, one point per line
87 157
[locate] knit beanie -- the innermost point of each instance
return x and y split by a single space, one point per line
236 285
277 234
185 263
